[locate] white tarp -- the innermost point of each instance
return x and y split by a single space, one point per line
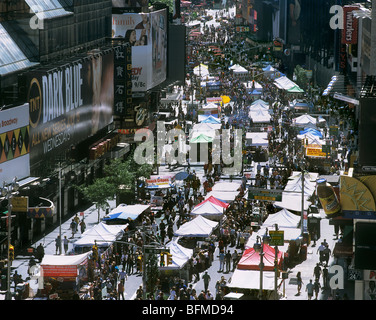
226 186
312 139
60 260
293 201
180 255
295 185
203 126
284 219
250 279
201 70
284 83
259 116
304 120
103 233
197 227
208 208
226 196
257 139
259 106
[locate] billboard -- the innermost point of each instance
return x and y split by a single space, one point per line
147 35
14 143
69 103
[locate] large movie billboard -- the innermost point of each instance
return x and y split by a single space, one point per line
147 34
69 103
14 144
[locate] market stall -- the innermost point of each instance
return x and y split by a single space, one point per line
198 227
123 213
62 274
211 208
102 234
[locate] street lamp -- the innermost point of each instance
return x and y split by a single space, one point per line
7 192
276 267
259 247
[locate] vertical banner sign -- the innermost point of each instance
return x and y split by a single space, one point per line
122 80
350 25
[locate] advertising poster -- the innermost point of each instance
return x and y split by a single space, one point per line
69 103
147 35
14 144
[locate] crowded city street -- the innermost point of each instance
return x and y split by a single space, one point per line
198 230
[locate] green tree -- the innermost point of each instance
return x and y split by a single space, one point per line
99 193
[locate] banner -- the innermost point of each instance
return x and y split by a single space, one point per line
69 103
350 25
315 152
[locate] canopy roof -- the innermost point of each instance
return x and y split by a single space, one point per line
250 259
205 126
214 201
304 120
209 119
227 196
260 101
197 227
285 83
259 106
312 138
284 219
103 233
123 211
295 89
202 138
201 70
260 116
60 260
257 138
250 279
180 255
226 186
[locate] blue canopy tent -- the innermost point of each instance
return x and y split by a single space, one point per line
123 213
312 131
211 119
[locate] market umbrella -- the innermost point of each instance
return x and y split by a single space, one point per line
183 176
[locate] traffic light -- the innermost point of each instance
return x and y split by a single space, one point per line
139 263
169 258
11 253
162 259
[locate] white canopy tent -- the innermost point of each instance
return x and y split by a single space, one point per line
201 70
259 116
305 120
260 101
64 260
250 279
198 227
227 186
180 255
226 196
258 106
293 201
284 219
295 185
312 139
203 126
284 83
103 233
257 139
209 210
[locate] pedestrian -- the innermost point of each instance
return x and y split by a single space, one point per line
73 227
58 244
325 277
234 260
299 282
228 261
206 278
40 252
66 244
120 290
309 289
82 226
316 288
326 254
317 272
209 295
221 261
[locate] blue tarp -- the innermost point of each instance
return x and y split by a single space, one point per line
312 131
124 212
